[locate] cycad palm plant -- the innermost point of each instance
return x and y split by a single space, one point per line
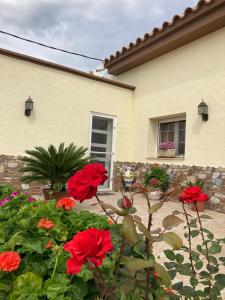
53 166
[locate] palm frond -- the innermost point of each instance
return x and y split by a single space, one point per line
53 165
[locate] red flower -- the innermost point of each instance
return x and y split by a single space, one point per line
110 221
126 203
45 223
66 203
49 245
91 246
193 194
84 184
9 261
168 291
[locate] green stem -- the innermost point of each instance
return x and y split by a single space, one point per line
96 196
189 240
148 270
207 250
56 264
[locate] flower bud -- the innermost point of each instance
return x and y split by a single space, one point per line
126 203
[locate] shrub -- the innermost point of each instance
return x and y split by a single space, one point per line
160 175
6 190
42 271
54 166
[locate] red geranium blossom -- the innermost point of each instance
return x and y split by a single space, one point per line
49 245
84 184
45 223
91 246
66 203
9 261
193 194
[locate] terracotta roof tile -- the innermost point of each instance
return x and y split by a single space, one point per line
158 30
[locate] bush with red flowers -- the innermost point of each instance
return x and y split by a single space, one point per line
32 255
51 251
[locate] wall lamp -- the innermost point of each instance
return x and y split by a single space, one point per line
203 111
29 103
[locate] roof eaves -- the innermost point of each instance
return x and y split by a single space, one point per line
73 71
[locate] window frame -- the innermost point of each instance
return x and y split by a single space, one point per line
176 133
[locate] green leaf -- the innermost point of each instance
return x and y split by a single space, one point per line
177 286
199 265
170 265
163 274
215 249
206 217
220 278
204 274
171 221
213 260
222 259
132 210
85 274
194 281
57 286
26 285
78 289
194 233
187 291
129 230
33 245
155 207
172 274
145 231
136 264
170 254
173 240
179 258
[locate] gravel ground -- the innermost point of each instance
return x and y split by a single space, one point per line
216 225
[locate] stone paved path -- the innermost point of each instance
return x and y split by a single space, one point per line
215 225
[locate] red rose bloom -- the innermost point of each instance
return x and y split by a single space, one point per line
9 261
66 203
89 245
84 184
193 194
45 223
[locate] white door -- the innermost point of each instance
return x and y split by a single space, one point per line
101 149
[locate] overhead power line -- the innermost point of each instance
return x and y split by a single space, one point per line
50 47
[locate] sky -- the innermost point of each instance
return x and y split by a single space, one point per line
93 27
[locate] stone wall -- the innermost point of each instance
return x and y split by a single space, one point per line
9 174
213 178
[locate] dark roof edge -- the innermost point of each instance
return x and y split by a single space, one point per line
52 65
206 17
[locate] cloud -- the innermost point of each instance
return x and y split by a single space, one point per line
96 28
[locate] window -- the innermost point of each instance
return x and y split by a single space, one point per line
173 132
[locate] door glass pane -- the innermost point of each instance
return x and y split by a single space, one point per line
98 149
97 155
100 124
99 138
101 144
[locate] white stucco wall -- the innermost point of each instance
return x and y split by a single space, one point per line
62 106
175 83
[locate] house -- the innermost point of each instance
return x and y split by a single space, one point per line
160 81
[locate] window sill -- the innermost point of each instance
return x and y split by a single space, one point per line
166 158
